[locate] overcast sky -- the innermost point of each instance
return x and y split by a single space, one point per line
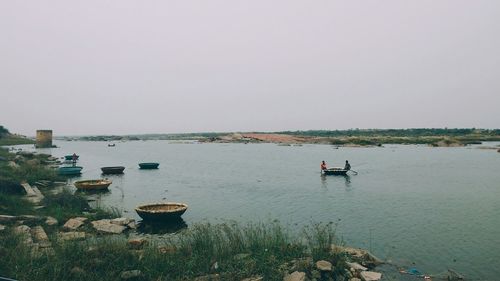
118 67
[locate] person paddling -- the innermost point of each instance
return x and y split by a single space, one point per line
347 165
323 166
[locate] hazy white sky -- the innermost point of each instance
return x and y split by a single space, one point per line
117 67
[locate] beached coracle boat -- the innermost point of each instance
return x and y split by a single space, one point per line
149 165
70 170
113 170
100 184
335 171
161 211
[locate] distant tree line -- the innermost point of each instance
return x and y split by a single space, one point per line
3 131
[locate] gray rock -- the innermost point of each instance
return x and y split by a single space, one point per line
2 227
39 235
137 243
256 278
51 221
13 165
74 223
77 270
106 226
356 266
295 276
7 218
370 276
324 265
73 235
354 279
132 225
211 277
129 274
122 221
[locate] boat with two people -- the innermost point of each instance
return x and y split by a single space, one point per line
336 171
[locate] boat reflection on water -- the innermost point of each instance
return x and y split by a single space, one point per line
166 227
325 180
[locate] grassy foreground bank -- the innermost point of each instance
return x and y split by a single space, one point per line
204 251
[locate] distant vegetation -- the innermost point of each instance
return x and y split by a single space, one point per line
6 138
418 132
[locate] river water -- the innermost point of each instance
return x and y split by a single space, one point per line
431 208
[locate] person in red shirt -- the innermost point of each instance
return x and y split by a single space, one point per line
323 166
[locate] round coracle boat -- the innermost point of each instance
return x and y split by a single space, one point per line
113 170
93 184
149 166
161 211
70 170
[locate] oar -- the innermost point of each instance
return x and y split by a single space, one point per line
354 171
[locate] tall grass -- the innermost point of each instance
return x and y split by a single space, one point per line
232 250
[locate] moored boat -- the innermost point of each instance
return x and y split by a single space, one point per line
149 165
335 171
113 170
69 170
70 157
100 184
161 211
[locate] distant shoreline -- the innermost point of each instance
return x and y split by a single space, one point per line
374 137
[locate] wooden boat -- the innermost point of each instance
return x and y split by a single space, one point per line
69 170
111 144
161 211
335 171
113 170
100 184
70 157
149 165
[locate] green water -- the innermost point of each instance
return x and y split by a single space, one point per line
432 208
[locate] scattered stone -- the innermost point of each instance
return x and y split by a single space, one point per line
132 225
106 226
139 254
211 277
51 221
122 221
73 235
7 218
40 236
26 231
77 270
166 249
356 266
129 274
33 162
74 223
137 243
302 264
360 255
13 165
30 218
2 227
354 279
295 276
255 278
241 256
22 229
324 265
370 275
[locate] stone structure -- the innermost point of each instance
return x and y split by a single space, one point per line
43 138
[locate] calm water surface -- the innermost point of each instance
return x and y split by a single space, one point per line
433 208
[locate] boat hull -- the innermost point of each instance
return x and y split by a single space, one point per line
112 170
146 166
93 184
70 157
68 171
161 211
335 172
